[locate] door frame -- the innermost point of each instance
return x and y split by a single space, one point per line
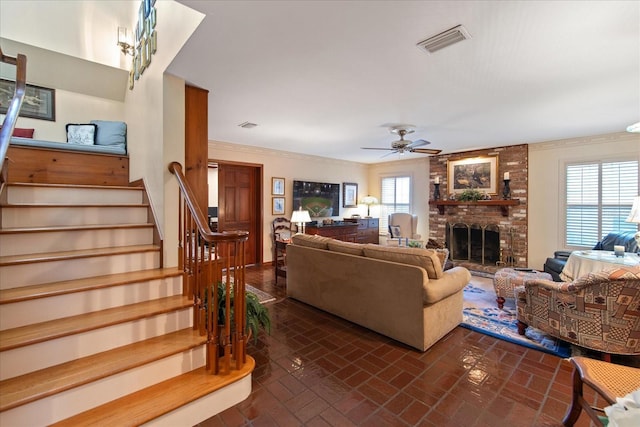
259 202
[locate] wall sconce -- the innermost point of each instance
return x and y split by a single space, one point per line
124 42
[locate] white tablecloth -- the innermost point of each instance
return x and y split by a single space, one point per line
585 262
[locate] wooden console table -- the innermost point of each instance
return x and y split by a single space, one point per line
502 204
347 232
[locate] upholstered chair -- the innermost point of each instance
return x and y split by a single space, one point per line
405 224
599 311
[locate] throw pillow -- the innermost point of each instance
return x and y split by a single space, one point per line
82 134
22 132
110 132
395 231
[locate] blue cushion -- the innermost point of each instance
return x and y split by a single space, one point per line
110 133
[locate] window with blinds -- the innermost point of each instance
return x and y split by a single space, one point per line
395 197
599 198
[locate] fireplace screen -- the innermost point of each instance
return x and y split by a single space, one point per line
475 243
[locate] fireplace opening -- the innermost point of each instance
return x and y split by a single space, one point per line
474 242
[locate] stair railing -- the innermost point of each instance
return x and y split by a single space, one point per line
213 266
9 123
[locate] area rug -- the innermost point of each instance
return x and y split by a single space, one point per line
481 314
263 297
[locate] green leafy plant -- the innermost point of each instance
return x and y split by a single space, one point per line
257 314
470 195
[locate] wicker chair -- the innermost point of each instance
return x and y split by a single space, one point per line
599 311
608 380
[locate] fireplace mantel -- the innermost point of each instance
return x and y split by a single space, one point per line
503 204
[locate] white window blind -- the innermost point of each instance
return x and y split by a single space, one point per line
395 197
599 198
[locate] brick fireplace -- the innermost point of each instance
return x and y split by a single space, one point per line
487 224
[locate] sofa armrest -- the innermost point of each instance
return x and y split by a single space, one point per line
452 281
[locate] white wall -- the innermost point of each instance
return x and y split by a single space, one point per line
416 167
546 174
291 166
212 174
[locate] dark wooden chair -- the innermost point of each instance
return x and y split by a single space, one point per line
281 233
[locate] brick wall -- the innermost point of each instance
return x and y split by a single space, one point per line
512 159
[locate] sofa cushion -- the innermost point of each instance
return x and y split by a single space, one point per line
83 134
346 247
425 258
110 132
311 241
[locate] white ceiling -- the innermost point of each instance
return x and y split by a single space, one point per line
326 77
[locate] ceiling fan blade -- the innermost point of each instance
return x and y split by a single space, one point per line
372 148
418 143
390 153
425 150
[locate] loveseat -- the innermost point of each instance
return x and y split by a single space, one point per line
555 265
401 293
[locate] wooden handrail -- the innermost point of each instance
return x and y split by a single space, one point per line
211 262
13 110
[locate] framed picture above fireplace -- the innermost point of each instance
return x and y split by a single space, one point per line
478 173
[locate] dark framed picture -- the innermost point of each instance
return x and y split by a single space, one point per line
349 195
277 205
478 173
277 186
39 102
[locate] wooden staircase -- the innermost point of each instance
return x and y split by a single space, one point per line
92 330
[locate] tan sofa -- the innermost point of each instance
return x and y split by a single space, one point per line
401 293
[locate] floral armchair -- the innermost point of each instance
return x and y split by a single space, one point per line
599 311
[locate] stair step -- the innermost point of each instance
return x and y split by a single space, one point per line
32 269
46 382
152 402
39 332
82 194
8 296
41 215
42 303
16 241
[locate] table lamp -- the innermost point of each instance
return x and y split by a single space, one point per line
634 216
369 200
300 217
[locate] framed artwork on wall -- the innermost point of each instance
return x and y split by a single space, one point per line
349 195
277 205
39 102
478 173
277 186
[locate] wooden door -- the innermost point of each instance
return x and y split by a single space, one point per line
239 207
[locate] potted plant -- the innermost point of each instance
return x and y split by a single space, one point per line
257 314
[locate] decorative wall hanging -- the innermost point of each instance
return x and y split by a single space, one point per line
478 173
39 102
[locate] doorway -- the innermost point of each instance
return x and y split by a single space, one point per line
240 203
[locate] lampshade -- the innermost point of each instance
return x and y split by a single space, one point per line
369 200
634 216
300 216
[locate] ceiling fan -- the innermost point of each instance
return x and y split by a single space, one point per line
402 145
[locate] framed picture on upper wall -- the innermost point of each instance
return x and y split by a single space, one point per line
277 186
39 102
349 195
478 173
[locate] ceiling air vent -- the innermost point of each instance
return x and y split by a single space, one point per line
247 125
444 39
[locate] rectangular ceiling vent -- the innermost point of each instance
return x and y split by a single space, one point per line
247 125
444 39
